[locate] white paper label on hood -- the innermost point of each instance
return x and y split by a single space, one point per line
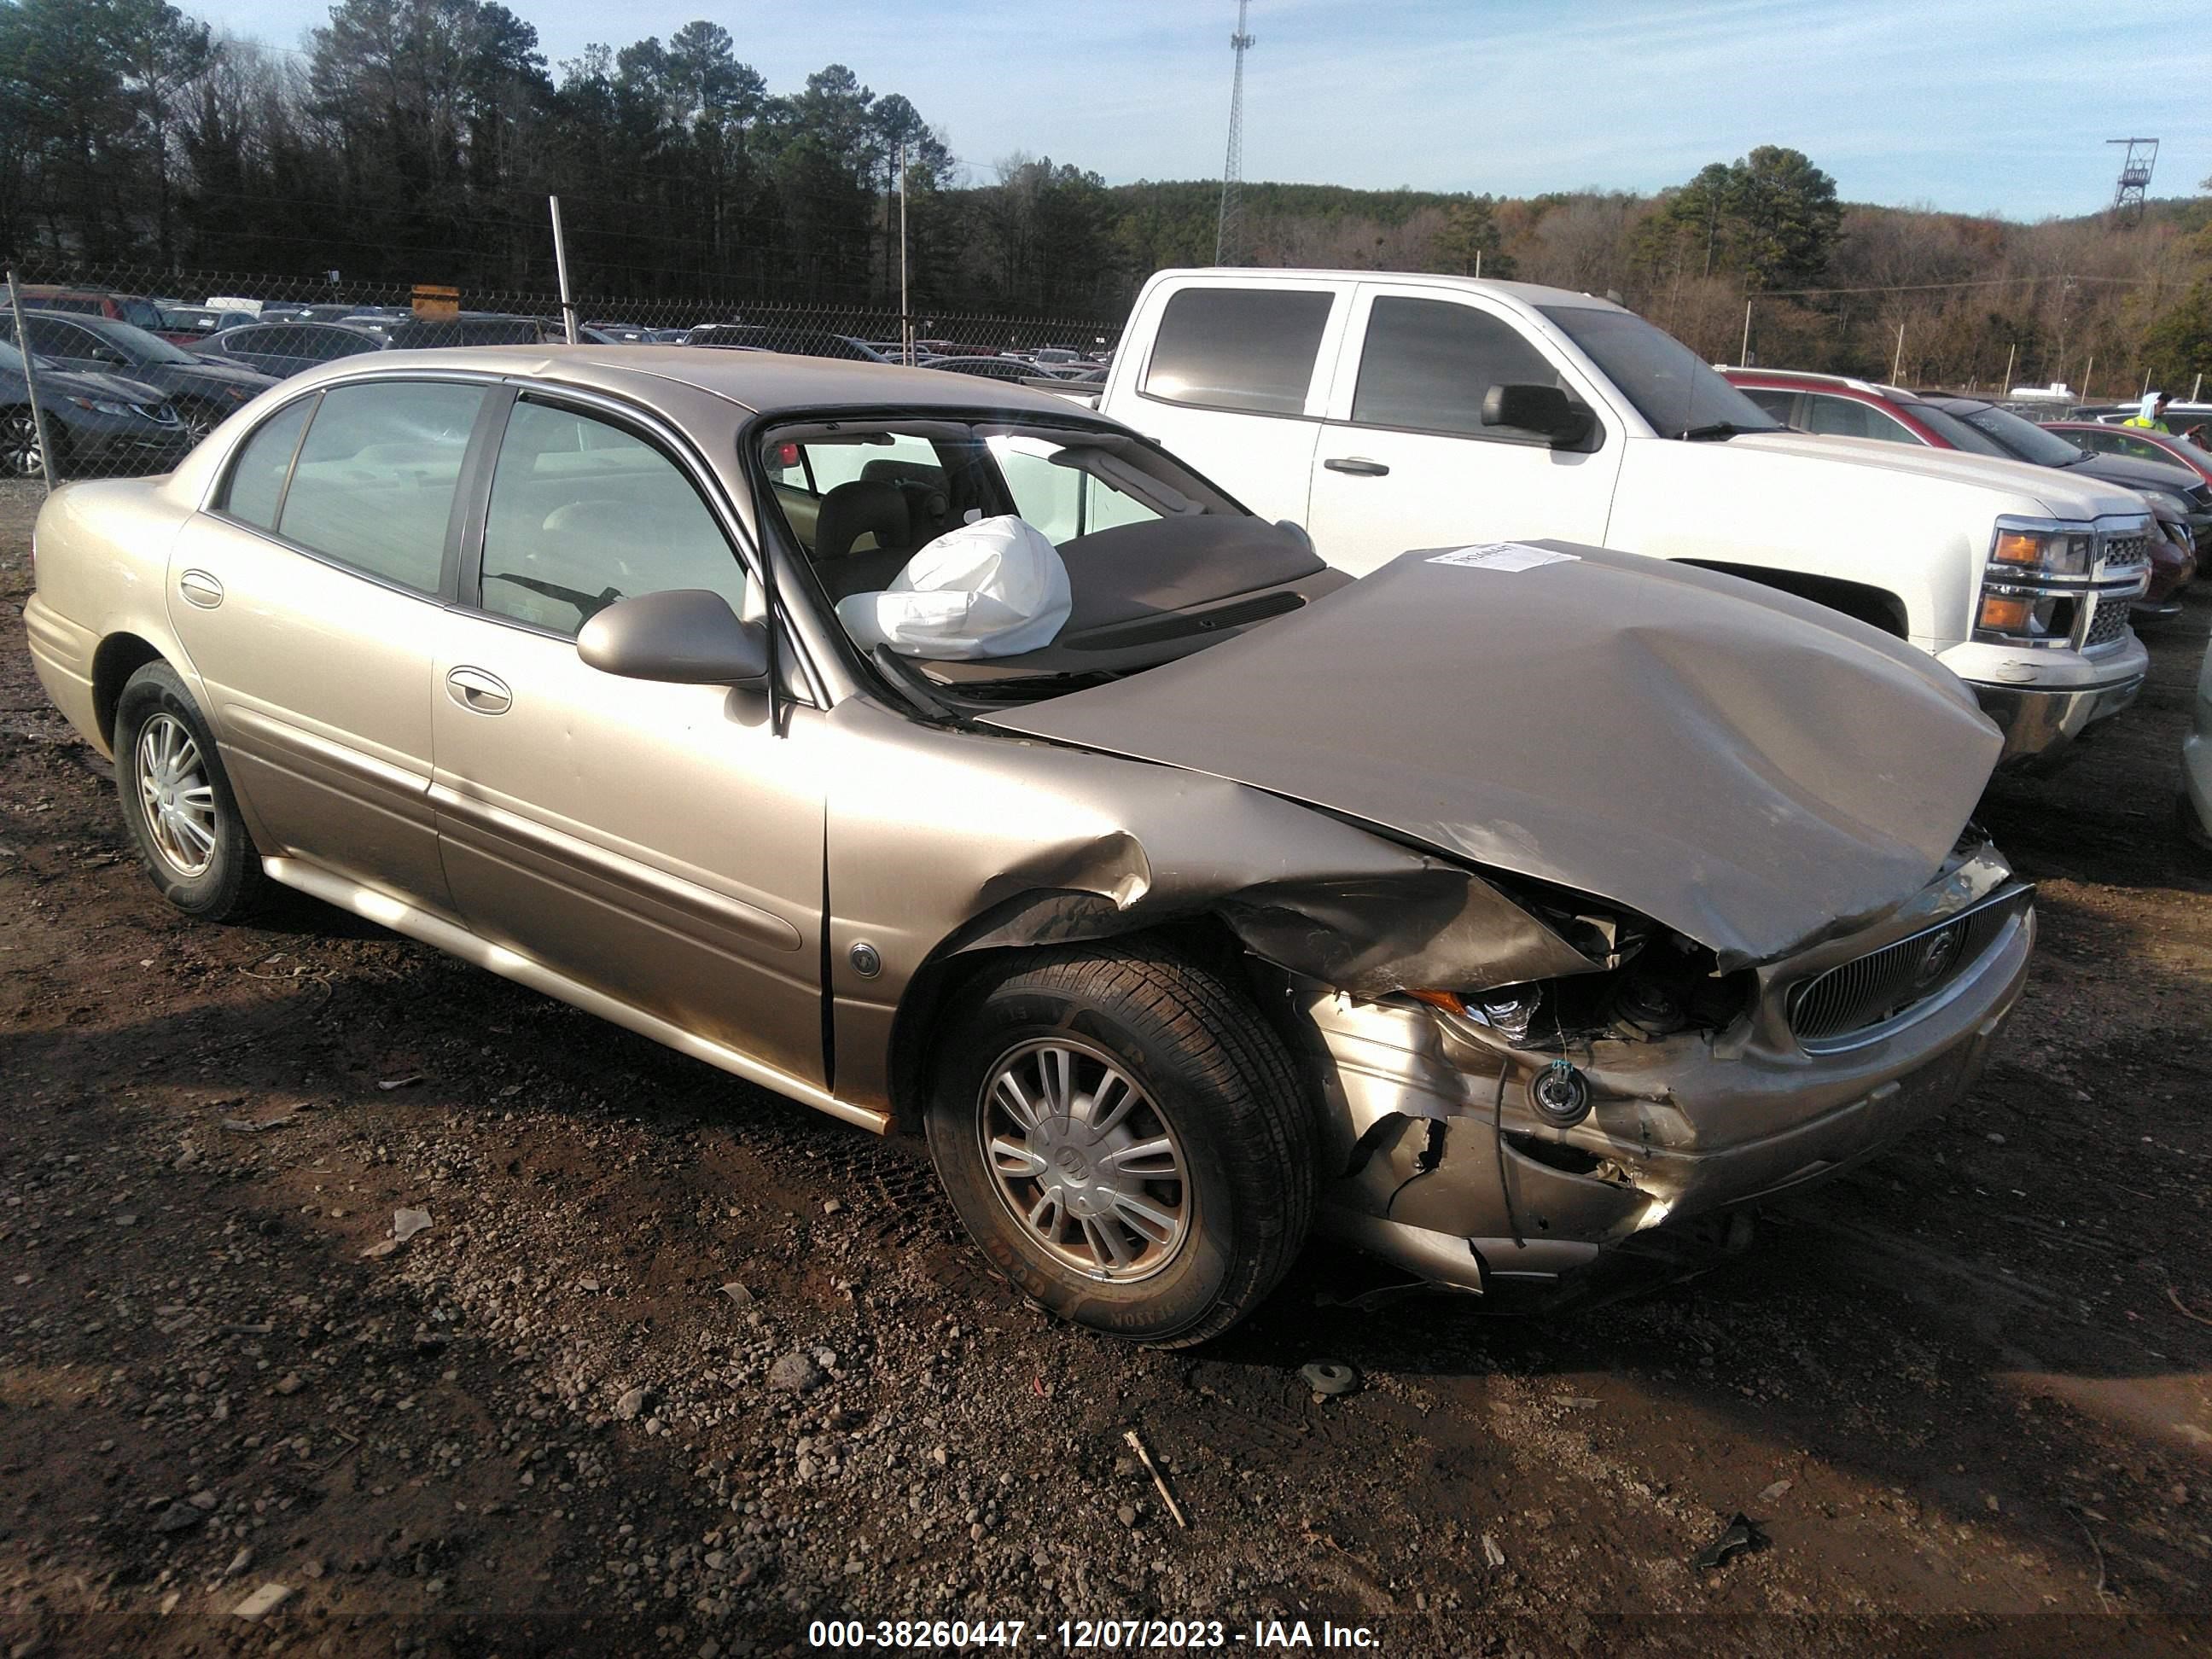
1503 555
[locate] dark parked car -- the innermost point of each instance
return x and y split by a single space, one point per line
2138 443
794 341
202 393
98 423
284 349
471 328
2179 499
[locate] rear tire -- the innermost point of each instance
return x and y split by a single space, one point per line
177 802
1126 1139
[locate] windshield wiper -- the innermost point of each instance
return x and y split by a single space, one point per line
1716 429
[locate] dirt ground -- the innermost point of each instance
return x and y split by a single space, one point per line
1966 1394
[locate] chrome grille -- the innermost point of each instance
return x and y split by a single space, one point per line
1870 990
2107 622
2127 550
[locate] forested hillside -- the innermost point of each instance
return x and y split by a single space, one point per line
417 140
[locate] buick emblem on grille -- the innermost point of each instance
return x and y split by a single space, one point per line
1935 958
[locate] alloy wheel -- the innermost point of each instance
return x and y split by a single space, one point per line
1084 1159
178 798
19 454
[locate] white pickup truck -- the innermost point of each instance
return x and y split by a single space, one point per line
1387 411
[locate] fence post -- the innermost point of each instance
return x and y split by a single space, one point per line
560 270
31 384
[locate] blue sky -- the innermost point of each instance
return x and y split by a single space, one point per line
1966 105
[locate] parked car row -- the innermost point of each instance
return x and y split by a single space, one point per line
2178 495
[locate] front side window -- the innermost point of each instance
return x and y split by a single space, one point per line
1429 363
1238 348
256 487
374 485
1846 417
584 513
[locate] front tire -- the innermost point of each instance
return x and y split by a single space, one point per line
1126 1140
177 802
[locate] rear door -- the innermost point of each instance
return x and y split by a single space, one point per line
1404 460
660 843
308 597
1233 382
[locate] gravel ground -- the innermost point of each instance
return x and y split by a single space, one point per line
676 1366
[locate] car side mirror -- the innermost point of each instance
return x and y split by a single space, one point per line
686 636
1532 408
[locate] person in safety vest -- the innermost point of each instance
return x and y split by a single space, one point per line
2150 416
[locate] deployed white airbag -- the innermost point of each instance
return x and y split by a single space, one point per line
994 588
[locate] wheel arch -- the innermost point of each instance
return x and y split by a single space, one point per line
1041 920
119 656
1864 602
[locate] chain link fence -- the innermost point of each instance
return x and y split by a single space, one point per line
128 367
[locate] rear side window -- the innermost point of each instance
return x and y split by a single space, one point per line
256 476
1843 417
1238 348
327 344
374 482
1428 364
583 514
1775 401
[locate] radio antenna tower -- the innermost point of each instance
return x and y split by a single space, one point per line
2135 176
1226 250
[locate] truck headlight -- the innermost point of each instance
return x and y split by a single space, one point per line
2040 552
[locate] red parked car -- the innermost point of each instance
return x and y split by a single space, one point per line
1845 408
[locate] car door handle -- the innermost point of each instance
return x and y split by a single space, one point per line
1357 465
478 692
200 589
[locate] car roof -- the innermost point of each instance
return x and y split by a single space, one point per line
765 382
1527 294
1806 377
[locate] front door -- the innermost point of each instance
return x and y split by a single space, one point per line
307 597
661 843
1405 461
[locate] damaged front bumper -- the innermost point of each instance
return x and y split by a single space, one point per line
1443 1166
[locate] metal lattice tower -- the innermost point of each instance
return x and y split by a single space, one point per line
2135 176
1226 250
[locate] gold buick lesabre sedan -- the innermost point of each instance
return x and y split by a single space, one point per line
946 757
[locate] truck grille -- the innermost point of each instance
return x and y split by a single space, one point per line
2121 550
2106 623
1831 1008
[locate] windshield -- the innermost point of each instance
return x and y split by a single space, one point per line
2023 440
143 346
1671 386
1003 558
11 362
1944 424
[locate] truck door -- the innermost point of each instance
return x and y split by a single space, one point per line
1404 460
1233 381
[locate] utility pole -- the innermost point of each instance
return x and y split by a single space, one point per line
906 317
1226 226
1743 357
1897 359
2012 350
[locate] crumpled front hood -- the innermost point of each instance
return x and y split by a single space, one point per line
1748 768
